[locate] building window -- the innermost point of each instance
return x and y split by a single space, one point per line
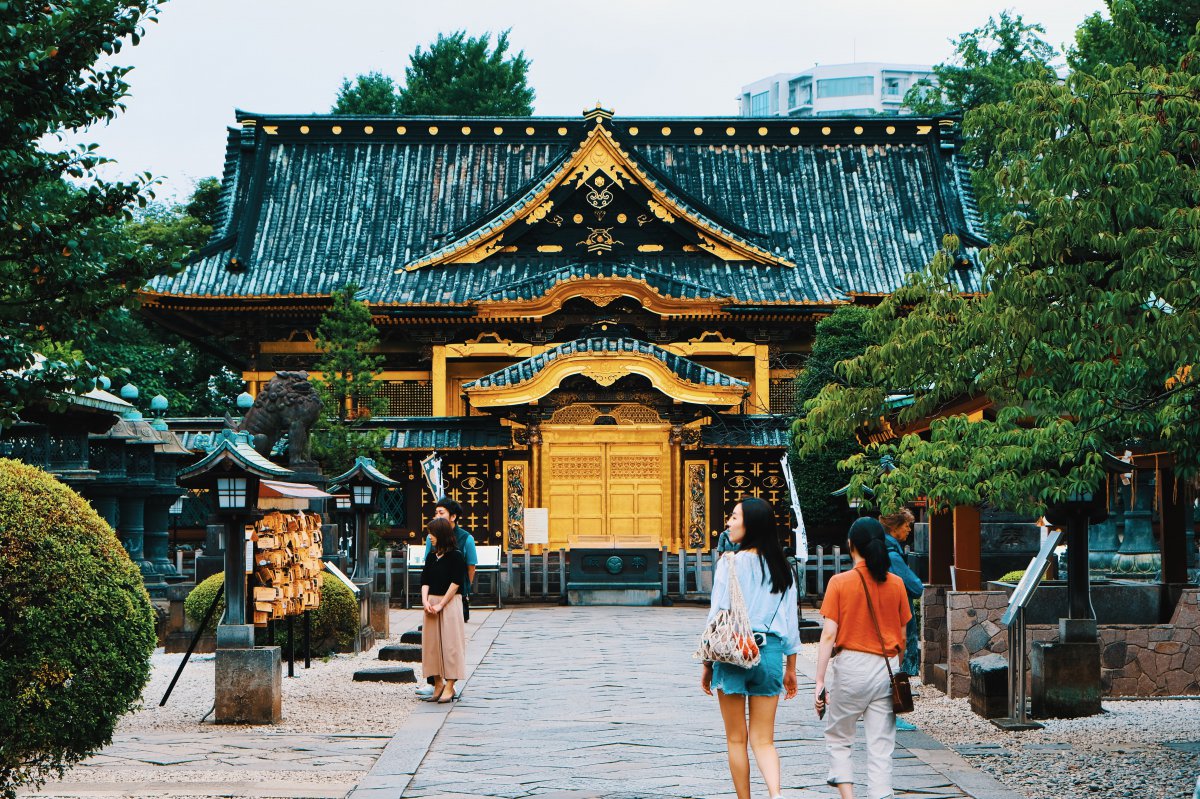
799 93
894 87
760 104
845 87
408 397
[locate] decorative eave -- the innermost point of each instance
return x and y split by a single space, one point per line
363 468
605 361
233 449
599 152
600 290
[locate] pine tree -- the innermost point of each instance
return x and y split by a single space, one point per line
372 94
348 368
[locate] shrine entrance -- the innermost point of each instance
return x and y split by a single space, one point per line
607 486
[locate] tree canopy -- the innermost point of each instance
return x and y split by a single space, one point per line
1139 32
458 75
64 261
372 94
1087 335
462 74
839 336
196 382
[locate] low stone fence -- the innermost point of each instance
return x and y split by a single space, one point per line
1135 659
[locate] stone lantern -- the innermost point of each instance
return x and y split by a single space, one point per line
248 678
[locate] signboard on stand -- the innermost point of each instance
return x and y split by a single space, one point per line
537 526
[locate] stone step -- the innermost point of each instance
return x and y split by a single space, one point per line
411 637
402 652
386 674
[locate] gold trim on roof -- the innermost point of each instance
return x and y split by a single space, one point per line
605 368
602 291
599 153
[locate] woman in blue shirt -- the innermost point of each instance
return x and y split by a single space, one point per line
771 600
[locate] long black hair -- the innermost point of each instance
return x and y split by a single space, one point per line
866 536
762 535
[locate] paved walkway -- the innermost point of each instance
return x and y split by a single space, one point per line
605 702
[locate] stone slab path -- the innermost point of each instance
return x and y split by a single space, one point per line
605 702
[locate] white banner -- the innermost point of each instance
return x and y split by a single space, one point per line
801 533
431 467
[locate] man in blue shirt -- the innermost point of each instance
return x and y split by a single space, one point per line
450 510
898 526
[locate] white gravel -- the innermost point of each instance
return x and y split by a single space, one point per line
1115 755
323 699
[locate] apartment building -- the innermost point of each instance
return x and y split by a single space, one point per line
833 90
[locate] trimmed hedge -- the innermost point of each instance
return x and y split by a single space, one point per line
76 628
334 623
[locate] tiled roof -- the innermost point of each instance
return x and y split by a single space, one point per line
747 431
682 367
403 433
308 213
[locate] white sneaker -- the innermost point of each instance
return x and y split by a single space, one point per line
426 690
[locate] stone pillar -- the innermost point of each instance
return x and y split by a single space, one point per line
107 507
249 685
1139 555
132 531
157 536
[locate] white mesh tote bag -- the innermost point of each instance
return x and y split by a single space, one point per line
728 638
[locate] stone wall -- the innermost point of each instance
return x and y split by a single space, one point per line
933 636
1136 660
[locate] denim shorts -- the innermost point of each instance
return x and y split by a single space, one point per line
765 679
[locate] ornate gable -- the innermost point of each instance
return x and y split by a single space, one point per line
599 203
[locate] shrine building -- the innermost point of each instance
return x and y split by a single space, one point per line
597 315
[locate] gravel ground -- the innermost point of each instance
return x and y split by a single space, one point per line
1118 754
322 699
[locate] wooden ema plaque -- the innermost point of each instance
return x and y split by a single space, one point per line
288 565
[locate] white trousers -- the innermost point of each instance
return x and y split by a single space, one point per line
857 685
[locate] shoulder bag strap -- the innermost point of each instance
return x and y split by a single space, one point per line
875 621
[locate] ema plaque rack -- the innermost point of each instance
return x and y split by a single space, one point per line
288 565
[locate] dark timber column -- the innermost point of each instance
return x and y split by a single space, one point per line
968 574
941 547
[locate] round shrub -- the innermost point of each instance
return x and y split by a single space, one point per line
1012 577
76 628
201 597
334 623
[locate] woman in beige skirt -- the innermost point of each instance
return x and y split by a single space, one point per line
444 635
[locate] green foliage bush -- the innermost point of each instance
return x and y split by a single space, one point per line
1012 577
76 628
334 623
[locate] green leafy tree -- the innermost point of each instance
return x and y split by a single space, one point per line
348 368
1139 32
371 94
460 75
989 62
63 259
839 336
1087 338
195 382
76 628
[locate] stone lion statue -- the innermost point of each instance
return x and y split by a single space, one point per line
287 405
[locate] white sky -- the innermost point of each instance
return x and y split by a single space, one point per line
639 57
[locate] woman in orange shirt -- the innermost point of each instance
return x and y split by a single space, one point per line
850 650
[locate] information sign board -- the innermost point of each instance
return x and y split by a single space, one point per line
1032 577
537 526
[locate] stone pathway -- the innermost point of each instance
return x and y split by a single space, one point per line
605 702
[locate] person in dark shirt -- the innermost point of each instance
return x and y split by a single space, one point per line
443 635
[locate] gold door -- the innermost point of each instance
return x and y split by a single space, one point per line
607 486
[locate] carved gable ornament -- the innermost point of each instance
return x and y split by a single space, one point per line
601 202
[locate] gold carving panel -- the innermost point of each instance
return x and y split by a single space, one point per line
754 478
635 467
576 467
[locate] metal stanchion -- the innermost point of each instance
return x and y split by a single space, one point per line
307 640
291 646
